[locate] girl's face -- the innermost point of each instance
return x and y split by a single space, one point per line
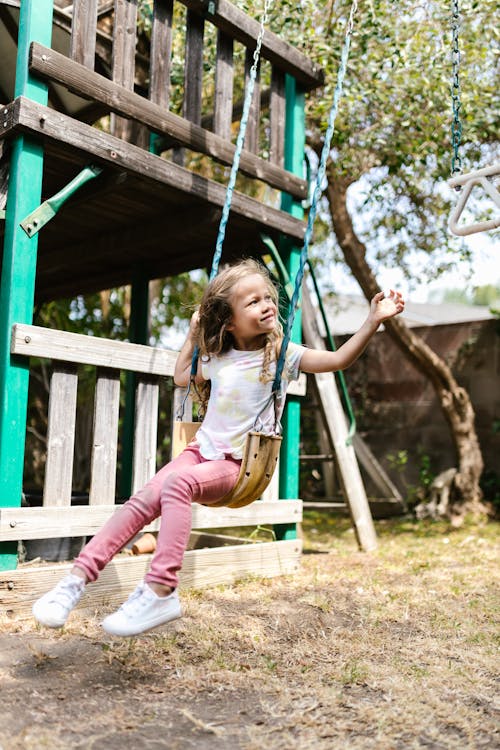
254 312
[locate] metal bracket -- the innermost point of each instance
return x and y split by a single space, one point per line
485 179
47 210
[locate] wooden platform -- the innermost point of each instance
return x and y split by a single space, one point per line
146 212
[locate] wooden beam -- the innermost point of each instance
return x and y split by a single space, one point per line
86 520
105 437
63 346
193 68
92 143
201 568
123 68
331 407
124 41
245 29
161 52
146 430
60 436
56 67
224 76
83 32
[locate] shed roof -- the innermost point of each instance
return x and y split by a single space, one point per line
346 313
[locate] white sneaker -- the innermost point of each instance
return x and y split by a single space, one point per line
142 611
53 608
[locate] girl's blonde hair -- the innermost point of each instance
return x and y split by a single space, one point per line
215 313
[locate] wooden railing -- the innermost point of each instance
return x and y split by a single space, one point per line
117 95
58 518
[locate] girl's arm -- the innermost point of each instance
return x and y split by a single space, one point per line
381 308
182 372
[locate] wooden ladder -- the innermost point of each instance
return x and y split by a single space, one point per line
336 426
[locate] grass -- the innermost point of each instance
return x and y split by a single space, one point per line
390 650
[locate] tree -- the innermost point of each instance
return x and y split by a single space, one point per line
385 192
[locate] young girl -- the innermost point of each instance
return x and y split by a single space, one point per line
238 335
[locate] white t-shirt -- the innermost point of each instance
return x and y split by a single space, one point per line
237 398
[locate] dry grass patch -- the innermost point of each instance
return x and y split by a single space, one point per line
393 650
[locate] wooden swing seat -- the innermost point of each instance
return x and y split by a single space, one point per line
259 461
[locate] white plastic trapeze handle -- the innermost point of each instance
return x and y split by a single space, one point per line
485 178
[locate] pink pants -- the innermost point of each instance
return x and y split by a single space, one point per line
169 494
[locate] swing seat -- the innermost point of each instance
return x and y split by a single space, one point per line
259 461
182 434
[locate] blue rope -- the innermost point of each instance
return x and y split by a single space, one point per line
236 163
294 302
234 173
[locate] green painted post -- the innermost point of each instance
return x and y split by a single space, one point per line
17 286
138 334
294 162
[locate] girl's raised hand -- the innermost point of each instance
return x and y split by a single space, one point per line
385 305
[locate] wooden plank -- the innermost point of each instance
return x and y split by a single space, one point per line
224 77
193 68
252 135
145 434
123 62
60 436
54 66
83 32
124 41
32 118
105 438
378 475
277 118
20 588
46 523
328 468
35 341
298 387
161 52
207 121
245 29
334 418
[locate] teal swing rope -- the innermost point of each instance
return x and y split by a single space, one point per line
294 302
239 146
236 161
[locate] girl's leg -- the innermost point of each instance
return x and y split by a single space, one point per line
147 607
205 482
142 508
53 608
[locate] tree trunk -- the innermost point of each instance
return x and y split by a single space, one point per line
466 493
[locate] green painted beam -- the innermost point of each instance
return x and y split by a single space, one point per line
17 285
295 136
138 334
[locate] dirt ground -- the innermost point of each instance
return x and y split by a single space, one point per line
392 650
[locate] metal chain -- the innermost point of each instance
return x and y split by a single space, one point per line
240 141
456 125
236 161
318 191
